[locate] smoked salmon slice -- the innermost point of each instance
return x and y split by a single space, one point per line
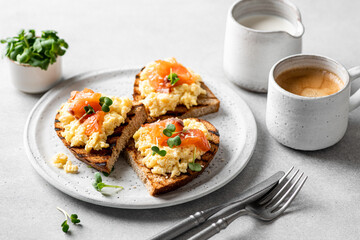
94 123
158 75
188 137
79 100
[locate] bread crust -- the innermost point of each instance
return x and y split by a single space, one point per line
207 103
104 159
158 184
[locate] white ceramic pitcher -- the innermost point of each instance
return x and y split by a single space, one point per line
248 53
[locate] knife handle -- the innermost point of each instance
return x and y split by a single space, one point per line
181 227
216 227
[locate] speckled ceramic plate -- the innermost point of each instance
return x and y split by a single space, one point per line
234 121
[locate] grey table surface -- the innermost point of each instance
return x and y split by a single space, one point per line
114 34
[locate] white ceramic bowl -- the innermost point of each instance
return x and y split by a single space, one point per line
31 79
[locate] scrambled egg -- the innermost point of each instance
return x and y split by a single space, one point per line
74 131
159 103
177 159
60 160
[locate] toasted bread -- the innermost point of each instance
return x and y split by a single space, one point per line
207 103
158 184
104 159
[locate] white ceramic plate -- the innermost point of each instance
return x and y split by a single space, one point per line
234 121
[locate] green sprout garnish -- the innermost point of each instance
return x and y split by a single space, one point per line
169 130
175 141
173 78
105 103
73 218
156 150
99 185
89 109
65 226
196 167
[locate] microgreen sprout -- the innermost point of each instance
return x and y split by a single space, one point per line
196 167
89 109
65 226
173 77
156 150
99 185
169 130
73 218
175 141
105 103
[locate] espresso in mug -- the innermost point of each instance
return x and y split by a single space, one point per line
310 82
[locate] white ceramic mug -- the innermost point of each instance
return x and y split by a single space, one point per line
310 123
248 53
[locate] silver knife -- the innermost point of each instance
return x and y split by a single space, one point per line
200 217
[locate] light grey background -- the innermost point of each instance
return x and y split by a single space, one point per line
111 34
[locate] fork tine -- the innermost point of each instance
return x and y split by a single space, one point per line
288 202
286 193
277 189
284 186
286 174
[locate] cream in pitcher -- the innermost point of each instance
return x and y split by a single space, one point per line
267 22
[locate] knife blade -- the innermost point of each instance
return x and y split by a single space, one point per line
200 217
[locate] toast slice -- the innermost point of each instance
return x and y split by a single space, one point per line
104 159
207 103
159 184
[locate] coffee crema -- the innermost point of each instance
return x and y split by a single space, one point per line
310 82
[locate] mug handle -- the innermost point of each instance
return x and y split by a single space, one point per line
354 73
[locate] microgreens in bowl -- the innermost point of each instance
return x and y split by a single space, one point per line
27 48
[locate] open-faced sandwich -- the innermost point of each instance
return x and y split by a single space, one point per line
96 127
170 153
168 89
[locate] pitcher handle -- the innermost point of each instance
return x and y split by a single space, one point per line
354 73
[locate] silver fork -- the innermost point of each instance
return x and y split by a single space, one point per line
267 208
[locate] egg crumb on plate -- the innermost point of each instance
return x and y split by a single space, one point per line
60 160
